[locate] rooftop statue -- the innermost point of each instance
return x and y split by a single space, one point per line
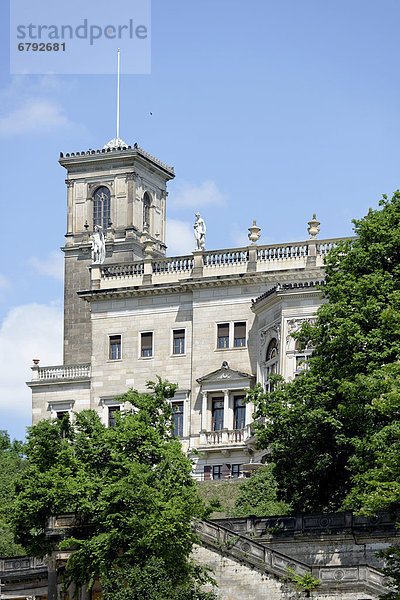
98 246
200 232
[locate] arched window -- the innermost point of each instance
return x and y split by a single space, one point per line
146 209
271 364
101 207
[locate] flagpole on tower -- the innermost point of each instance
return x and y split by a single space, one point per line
118 94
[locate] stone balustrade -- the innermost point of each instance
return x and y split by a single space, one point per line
265 558
226 436
20 564
211 263
60 372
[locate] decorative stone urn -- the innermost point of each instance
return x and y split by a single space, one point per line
314 227
254 234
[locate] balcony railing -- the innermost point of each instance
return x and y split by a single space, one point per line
226 436
61 372
272 257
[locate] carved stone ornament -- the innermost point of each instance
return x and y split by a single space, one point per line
313 227
294 325
265 336
254 234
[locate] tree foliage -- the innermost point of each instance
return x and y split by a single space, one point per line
258 496
11 465
131 491
333 432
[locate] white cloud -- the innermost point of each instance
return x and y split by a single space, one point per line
35 115
28 331
196 196
4 283
53 266
180 237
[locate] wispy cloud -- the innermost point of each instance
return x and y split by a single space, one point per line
28 331
4 283
180 237
34 116
33 106
51 266
196 196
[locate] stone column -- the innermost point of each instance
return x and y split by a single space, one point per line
204 411
51 578
249 412
228 422
131 197
226 417
70 205
85 594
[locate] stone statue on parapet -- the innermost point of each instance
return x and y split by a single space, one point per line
98 246
200 232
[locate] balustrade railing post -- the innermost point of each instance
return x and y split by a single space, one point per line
95 277
312 253
197 263
147 271
252 262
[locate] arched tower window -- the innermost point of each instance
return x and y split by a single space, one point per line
271 364
146 209
101 207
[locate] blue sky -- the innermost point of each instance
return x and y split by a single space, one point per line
267 110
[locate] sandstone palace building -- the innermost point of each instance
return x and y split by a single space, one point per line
216 322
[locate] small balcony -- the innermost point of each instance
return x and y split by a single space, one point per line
225 438
60 373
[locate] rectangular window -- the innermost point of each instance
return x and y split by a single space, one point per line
223 335
111 414
239 412
177 413
239 335
217 471
178 341
61 414
207 472
146 344
218 414
235 471
301 363
115 347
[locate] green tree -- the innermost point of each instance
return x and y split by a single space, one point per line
11 465
131 491
258 496
326 428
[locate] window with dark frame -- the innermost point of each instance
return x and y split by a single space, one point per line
177 414
239 335
146 209
223 335
217 471
111 415
115 347
146 344
239 412
217 414
60 414
271 368
235 471
101 207
178 341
